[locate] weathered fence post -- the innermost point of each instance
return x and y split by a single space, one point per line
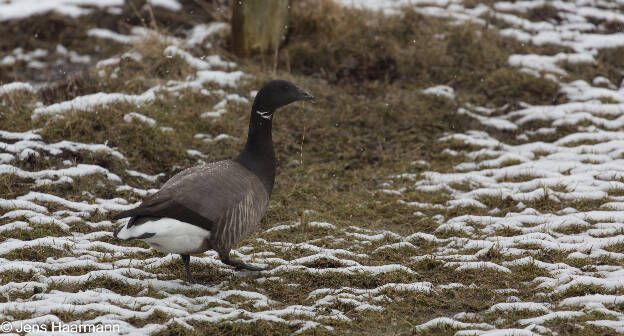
258 26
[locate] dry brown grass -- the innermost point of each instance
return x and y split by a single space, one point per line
362 50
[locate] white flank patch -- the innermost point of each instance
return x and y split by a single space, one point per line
171 235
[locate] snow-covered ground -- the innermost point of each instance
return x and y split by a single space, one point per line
585 165
579 166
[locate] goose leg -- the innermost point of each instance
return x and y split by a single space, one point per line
239 264
186 261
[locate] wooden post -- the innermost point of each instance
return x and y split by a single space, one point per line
258 26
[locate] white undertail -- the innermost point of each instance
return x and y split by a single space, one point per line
169 235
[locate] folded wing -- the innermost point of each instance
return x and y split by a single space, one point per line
200 195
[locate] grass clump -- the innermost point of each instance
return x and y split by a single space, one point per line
506 85
334 43
546 13
148 149
36 253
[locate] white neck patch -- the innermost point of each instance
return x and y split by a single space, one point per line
265 115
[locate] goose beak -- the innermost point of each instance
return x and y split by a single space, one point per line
305 96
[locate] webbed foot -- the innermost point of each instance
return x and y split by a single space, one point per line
239 265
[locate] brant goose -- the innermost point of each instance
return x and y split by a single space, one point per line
215 205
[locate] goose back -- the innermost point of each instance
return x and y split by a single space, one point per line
207 196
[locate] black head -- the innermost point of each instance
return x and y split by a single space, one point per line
278 93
